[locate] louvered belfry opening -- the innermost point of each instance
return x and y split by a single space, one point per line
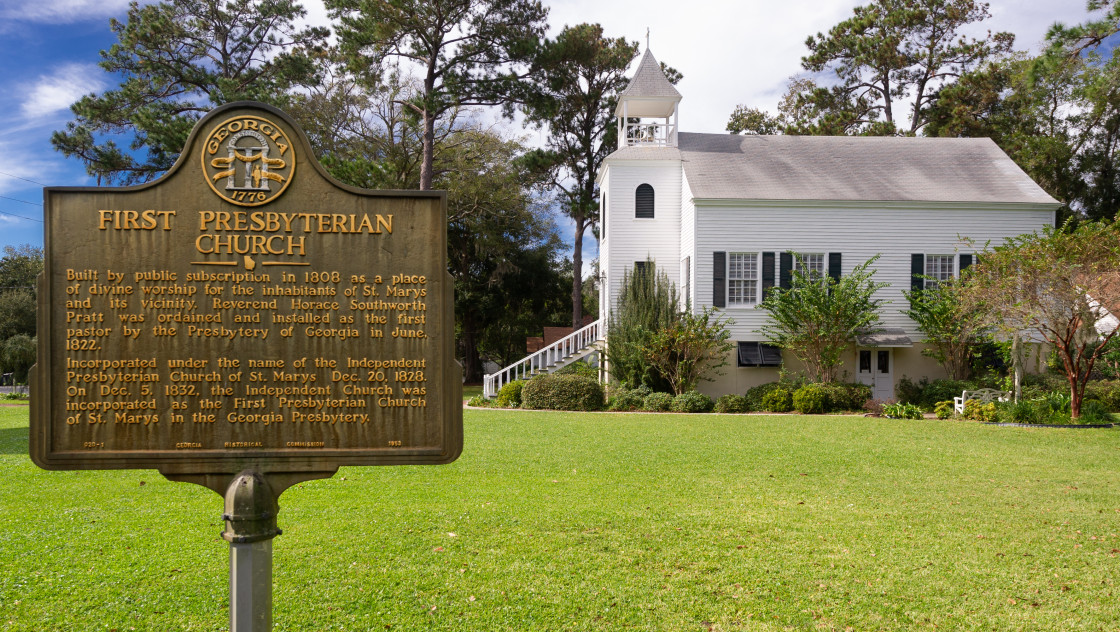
643 202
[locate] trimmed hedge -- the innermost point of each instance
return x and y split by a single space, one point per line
777 400
658 402
562 392
624 399
509 396
811 399
692 402
732 404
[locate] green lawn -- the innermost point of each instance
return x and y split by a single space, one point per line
557 521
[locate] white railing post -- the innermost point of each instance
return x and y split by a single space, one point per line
543 359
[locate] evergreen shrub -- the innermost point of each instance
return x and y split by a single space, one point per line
562 392
944 409
658 402
778 400
732 404
811 399
509 396
845 396
624 399
692 402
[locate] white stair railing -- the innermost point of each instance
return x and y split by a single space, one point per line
545 359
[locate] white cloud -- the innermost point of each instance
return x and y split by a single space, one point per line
743 51
18 167
57 91
65 11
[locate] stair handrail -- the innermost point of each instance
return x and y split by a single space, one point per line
543 358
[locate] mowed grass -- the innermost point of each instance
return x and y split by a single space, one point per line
559 521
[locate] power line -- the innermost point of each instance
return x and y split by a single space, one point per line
12 175
20 201
30 219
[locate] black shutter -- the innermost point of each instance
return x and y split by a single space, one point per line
834 265
966 261
643 202
767 272
719 277
917 269
786 266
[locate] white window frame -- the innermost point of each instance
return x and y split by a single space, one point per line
939 268
744 279
811 263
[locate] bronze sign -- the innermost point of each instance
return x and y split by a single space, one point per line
245 309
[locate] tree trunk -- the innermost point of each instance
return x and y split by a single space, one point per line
577 274
1017 364
428 156
472 364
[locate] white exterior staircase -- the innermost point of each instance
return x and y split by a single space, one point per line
569 349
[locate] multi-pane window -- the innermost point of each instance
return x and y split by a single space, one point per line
938 268
809 264
742 278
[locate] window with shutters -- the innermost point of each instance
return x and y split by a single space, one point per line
810 264
938 268
643 202
742 278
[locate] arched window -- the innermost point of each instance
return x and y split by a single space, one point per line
643 202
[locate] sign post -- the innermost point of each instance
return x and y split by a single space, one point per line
245 323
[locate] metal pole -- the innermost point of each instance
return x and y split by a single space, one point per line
250 517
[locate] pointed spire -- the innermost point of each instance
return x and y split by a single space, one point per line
649 81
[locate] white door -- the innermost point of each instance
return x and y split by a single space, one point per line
875 368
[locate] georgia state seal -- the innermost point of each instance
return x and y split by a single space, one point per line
248 160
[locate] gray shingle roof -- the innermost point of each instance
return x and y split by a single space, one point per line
649 81
725 166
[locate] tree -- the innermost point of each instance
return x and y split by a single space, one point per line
690 349
179 59
647 303
467 52
579 75
952 329
501 252
18 355
1030 114
817 318
1057 115
1056 286
19 271
889 58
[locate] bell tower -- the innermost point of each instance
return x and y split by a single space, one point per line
647 108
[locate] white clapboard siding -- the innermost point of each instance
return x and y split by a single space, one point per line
894 231
630 239
688 244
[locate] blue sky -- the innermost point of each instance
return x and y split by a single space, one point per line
730 52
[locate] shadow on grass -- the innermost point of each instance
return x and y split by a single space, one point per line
13 440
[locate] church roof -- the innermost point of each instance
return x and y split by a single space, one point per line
649 81
725 166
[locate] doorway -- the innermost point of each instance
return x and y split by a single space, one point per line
875 368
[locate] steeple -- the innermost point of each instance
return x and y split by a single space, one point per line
649 95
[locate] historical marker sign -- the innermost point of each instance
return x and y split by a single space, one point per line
245 309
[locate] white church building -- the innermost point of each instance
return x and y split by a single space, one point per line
728 216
